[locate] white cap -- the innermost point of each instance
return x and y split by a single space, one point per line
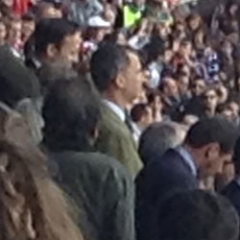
98 22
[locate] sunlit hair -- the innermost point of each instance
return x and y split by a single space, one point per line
31 205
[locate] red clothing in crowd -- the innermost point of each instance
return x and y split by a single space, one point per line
20 7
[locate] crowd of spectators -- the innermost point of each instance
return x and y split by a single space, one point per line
119 119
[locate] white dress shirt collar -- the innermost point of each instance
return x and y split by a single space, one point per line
116 109
187 157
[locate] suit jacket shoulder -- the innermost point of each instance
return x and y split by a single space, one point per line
116 140
102 189
169 173
157 180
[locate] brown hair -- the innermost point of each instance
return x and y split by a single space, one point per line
31 205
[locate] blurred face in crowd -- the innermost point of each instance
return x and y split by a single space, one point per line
199 38
131 79
139 2
227 48
195 22
121 39
233 9
28 28
51 12
3 33
170 88
168 55
8 3
176 45
14 32
185 49
227 114
210 99
198 87
68 51
183 84
234 107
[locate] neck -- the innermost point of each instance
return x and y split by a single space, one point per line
116 98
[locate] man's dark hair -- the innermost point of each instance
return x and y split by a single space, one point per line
157 139
213 130
106 63
71 112
17 82
197 215
52 31
138 111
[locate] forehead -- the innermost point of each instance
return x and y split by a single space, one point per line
15 24
211 92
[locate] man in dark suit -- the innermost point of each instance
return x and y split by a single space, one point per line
198 215
232 191
100 186
208 144
117 74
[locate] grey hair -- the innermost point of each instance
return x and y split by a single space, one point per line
158 138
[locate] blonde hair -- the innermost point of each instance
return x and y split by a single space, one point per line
31 205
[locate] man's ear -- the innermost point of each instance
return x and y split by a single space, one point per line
51 51
212 150
120 81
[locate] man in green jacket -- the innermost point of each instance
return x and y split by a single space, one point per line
117 74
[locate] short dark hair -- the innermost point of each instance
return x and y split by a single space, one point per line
106 63
52 31
210 130
138 111
198 215
157 139
71 112
17 81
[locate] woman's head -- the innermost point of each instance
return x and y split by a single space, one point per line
31 205
194 21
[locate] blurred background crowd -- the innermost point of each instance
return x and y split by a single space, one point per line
119 119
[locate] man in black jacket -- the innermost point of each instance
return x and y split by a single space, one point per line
208 144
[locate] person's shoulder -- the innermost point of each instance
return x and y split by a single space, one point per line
97 163
111 124
232 189
170 164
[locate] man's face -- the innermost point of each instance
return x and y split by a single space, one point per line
195 23
170 87
69 49
15 32
132 79
210 99
214 160
198 87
